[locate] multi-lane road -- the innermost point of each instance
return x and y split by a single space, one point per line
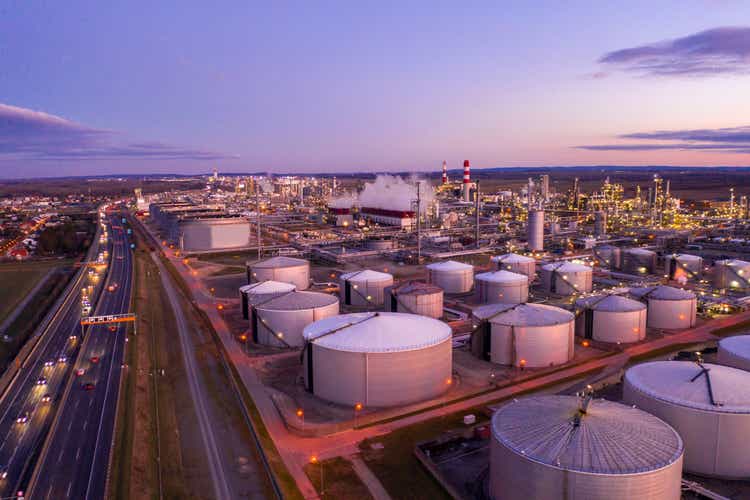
74 462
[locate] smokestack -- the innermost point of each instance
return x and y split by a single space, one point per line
445 173
467 181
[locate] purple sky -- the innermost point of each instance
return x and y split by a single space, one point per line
94 88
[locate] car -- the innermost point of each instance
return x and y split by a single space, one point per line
73 338
49 362
3 473
80 372
46 398
94 359
88 386
23 418
62 359
112 328
41 381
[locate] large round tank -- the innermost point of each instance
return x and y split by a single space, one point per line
735 352
708 405
279 321
567 278
262 291
683 266
286 269
516 264
451 276
502 286
669 308
550 447
608 256
364 288
535 230
610 318
732 273
524 335
377 359
639 261
415 297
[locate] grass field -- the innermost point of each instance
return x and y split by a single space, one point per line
17 280
336 478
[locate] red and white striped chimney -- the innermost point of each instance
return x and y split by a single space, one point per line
467 181
445 172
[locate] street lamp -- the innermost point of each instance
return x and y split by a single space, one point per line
357 408
314 461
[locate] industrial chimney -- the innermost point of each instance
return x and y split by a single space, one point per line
445 172
467 181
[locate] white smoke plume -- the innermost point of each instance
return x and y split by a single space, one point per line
394 193
346 201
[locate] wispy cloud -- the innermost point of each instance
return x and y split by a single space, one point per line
724 50
25 133
723 140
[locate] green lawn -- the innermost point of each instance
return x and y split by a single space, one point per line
17 280
339 480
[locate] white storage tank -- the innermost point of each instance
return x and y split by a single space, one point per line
515 263
708 405
684 266
735 352
502 286
378 359
669 308
567 278
610 318
535 230
262 291
286 269
416 297
523 335
732 273
364 288
639 261
555 447
608 256
452 276
279 322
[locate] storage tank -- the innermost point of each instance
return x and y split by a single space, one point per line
377 359
555 447
610 318
523 335
732 273
286 269
502 286
683 266
451 276
279 322
364 288
669 308
256 293
639 261
735 352
515 263
608 256
416 297
213 233
535 230
567 278
708 405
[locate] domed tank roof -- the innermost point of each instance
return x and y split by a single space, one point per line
640 251
609 438
416 288
682 383
280 261
523 314
367 275
266 287
512 258
566 267
502 277
687 257
295 301
662 292
739 345
449 265
377 332
610 303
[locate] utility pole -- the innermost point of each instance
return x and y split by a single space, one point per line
476 210
419 223
257 221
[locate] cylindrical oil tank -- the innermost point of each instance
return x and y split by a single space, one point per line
262 291
735 352
707 404
567 278
608 256
732 273
546 447
515 263
523 335
364 288
286 269
279 322
683 266
452 276
610 318
669 308
502 286
639 261
416 297
535 230
214 233
377 359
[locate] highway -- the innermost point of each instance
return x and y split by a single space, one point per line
75 459
25 397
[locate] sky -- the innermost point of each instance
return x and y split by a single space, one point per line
91 87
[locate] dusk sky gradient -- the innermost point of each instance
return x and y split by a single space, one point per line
92 87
